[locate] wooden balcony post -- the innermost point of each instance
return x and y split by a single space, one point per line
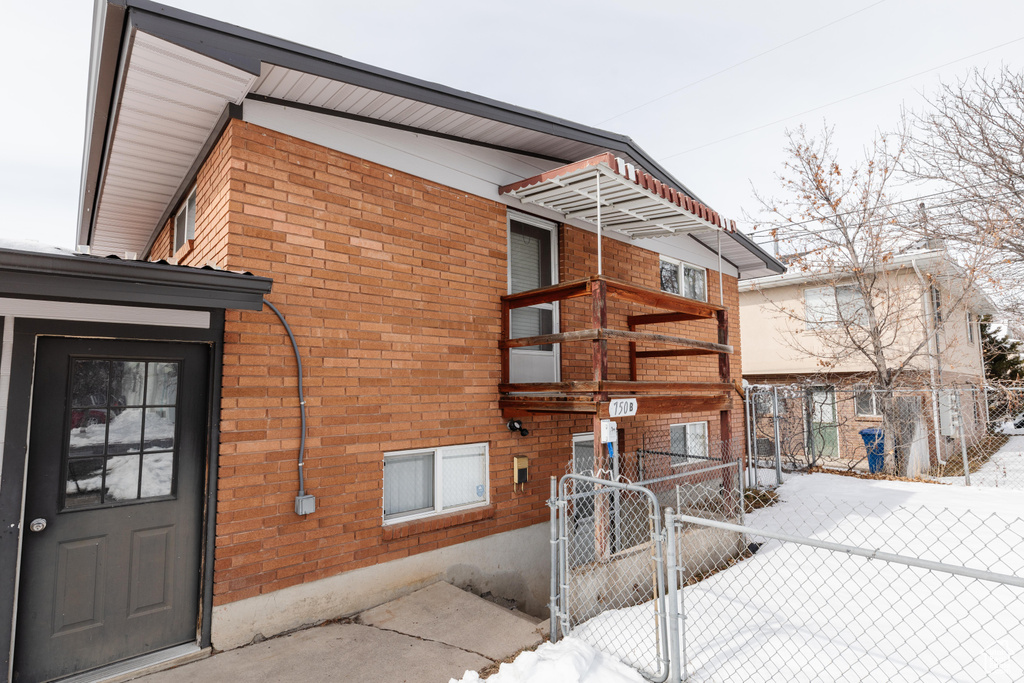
723 338
599 321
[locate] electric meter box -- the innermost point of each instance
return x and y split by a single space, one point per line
609 432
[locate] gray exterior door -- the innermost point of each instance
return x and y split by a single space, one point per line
115 472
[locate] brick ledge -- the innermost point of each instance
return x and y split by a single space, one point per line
419 526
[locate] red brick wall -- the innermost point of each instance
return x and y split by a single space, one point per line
392 286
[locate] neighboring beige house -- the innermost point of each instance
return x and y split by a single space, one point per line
792 335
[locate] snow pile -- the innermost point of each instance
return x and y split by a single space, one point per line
568 661
1004 469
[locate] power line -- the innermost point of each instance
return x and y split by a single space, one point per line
809 233
896 203
738 64
842 99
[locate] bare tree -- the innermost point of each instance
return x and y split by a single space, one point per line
852 241
967 147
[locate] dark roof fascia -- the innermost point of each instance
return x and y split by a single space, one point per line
231 111
99 280
105 61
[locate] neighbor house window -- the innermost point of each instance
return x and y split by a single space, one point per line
970 327
831 306
689 441
433 480
764 403
936 296
867 402
185 221
682 278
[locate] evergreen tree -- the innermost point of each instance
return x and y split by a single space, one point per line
1002 354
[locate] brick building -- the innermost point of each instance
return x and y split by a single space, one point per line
415 236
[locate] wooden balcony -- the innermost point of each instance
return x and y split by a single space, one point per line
593 396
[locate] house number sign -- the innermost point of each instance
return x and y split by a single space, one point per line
622 407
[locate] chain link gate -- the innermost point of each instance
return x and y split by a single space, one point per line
607 555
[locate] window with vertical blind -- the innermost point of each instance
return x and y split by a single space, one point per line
429 481
530 267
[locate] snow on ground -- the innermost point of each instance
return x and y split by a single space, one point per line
1004 469
568 661
796 613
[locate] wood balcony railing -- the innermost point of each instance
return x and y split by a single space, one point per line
593 396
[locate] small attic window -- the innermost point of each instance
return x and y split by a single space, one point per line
185 221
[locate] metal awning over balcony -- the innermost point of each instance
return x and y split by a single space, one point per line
613 194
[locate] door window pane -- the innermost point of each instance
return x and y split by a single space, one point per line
83 486
89 384
127 382
159 430
124 431
122 478
162 384
157 474
109 425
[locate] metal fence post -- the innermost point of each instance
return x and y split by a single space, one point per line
553 605
778 445
963 439
752 441
672 588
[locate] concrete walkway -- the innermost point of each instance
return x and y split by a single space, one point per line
434 634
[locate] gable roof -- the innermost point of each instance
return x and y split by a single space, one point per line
163 83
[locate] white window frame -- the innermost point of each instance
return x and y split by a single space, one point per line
970 328
439 509
190 220
681 267
860 389
686 426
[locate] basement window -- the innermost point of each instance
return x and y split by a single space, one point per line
185 221
430 481
682 278
689 441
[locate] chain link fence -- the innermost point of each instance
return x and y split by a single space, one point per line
958 434
828 590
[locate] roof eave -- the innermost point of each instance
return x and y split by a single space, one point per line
80 278
108 25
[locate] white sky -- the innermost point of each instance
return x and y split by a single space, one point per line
584 60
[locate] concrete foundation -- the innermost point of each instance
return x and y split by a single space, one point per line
513 565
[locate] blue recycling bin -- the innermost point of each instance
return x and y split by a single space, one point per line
874 442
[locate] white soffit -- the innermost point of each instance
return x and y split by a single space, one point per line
631 200
747 263
171 101
281 83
